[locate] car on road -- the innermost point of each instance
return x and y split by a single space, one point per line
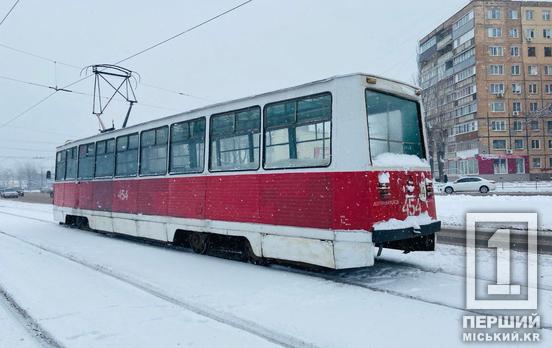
470 184
8 193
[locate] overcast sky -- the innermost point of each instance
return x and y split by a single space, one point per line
266 45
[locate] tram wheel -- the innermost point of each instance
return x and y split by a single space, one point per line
199 242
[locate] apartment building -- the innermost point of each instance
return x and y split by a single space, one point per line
486 75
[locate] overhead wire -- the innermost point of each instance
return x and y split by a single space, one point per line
9 12
77 92
211 19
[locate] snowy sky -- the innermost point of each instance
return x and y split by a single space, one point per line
266 45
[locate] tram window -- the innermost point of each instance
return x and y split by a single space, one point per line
105 158
298 132
86 161
153 151
234 139
393 125
60 165
72 161
187 150
126 156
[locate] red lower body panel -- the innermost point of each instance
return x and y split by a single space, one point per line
329 200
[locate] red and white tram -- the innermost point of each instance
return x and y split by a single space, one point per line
320 173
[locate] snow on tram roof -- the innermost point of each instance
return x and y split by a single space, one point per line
219 104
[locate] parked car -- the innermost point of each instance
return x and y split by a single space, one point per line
470 184
9 193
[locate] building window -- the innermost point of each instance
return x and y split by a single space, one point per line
550 144
516 88
533 88
548 51
550 162
548 70
548 88
153 151
534 125
518 144
517 126
530 33
529 15
514 33
298 133
520 165
499 144
516 70
536 162
531 52
513 14
496 88
496 51
516 106
496 69
86 161
533 70
187 147
497 106
545 15
535 144
467 167
126 159
499 166
465 128
494 32
533 107
549 127
547 33
514 51
105 158
234 140
493 13
498 126
463 21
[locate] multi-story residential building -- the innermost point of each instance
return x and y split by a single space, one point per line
486 75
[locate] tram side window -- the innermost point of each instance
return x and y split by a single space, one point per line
298 132
187 150
393 125
153 151
127 156
234 139
71 164
60 165
86 161
105 158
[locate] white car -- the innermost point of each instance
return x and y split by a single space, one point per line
9 194
470 184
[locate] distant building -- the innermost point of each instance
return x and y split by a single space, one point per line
486 75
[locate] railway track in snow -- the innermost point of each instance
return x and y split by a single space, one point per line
361 278
29 324
228 319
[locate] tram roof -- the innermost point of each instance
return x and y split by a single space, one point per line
219 104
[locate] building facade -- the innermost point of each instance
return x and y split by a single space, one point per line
486 75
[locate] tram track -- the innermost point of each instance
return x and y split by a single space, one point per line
345 277
225 318
35 330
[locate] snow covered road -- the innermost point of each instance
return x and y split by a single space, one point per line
90 290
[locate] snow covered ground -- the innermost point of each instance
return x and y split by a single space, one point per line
89 290
451 210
